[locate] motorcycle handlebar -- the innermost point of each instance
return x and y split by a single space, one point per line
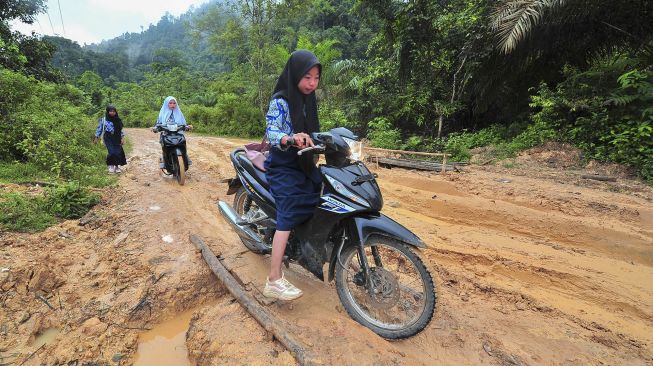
156 129
316 147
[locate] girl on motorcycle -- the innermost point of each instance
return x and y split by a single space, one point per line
170 113
294 180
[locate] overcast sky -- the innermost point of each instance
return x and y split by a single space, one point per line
91 21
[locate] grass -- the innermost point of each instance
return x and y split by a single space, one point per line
23 213
64 199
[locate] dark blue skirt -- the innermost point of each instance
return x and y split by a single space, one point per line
115 153
295 193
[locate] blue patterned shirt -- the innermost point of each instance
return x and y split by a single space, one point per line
278 122
108 127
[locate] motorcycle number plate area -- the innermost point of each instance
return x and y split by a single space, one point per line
172 139
333 205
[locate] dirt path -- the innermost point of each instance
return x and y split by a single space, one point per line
537 269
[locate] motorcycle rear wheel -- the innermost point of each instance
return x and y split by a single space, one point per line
181 170
242 208
404 296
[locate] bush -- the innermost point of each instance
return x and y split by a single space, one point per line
71 201
606 111
23 213
46 126
382 135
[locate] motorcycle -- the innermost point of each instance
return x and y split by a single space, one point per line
173 144
381 282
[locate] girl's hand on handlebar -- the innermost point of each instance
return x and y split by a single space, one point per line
154 129
189 127
302 140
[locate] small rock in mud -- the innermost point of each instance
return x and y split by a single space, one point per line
394 204
93 326
117 357
24 317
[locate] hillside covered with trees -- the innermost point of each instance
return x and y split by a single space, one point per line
417 75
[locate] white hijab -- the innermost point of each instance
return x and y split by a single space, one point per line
165 112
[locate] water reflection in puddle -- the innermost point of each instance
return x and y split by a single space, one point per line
45 337
165 344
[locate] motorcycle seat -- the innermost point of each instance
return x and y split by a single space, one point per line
259 175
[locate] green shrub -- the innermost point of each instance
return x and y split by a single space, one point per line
23 213
606 111
46 126
381 134
71 201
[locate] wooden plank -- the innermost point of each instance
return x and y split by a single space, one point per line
404 152
414 164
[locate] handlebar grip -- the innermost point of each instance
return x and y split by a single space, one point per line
316 147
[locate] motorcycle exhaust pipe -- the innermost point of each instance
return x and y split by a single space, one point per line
242 229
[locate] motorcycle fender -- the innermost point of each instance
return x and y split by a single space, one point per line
367 226
178 152
370 225
234 184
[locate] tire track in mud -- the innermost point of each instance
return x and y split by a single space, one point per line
513 286
502 280
574 295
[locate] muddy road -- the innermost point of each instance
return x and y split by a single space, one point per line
533 266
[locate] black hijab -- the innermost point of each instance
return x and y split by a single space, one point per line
117 122
303 108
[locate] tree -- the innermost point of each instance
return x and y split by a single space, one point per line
585 25
27 54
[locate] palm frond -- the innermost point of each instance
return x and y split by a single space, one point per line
513 20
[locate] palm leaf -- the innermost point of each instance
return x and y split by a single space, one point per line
513 20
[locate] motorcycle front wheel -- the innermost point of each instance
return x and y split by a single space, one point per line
398 299
180 170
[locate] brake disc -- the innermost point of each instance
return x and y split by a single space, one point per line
385 291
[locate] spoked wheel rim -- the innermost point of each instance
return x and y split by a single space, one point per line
242 208
400 292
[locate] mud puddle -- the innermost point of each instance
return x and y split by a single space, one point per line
165 344
43 338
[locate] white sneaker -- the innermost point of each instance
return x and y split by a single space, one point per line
281 289
112 169
118 170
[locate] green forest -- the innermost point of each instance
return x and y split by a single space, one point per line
421 75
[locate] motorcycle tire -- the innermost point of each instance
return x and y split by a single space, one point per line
357 310
241 207
181 170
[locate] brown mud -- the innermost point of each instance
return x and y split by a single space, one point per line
533 265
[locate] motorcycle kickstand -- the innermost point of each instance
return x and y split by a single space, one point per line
286 262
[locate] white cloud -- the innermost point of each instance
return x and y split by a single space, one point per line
91 21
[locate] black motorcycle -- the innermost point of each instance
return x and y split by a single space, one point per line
173 144
380 280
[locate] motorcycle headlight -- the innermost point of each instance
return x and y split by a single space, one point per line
340 188
356 148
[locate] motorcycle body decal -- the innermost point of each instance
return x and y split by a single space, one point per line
333 205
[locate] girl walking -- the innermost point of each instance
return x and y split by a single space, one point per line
113 136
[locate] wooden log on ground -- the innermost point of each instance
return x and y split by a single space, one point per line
414 164
603 178
252 306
